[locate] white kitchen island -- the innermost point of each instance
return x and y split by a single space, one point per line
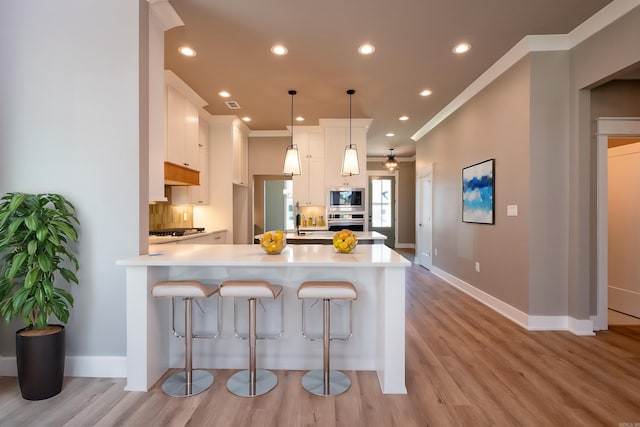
378 316
324 237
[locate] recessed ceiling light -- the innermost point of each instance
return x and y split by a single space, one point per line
279 50
403 118
425 92
299 119
461 48
224 94
366 49
390 134
246 119
187 51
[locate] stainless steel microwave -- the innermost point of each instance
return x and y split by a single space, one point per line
346 199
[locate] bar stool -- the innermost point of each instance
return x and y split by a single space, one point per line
251 382
325 382
190 382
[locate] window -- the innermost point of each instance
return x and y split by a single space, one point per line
381 203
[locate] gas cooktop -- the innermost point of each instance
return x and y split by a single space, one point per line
176 231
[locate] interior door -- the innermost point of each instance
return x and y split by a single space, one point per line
382 207
424 211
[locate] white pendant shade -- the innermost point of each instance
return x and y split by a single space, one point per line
350 161
292 157
291 161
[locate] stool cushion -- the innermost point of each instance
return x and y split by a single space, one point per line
249 289
183 288
327 290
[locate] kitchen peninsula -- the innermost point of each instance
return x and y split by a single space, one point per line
378 315
326 237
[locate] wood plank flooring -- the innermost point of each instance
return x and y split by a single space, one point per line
466 366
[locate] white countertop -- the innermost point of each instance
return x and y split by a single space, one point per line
328 235
158 240
254 256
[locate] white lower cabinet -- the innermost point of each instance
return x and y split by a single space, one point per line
215 238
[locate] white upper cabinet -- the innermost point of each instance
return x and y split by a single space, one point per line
309 187
182 130
182 122
336 139
197 194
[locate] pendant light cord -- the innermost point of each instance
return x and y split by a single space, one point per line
350 92
292 93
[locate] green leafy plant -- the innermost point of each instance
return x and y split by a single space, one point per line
35 234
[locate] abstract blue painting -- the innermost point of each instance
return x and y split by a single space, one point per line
478 193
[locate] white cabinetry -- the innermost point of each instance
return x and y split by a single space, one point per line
230 199
197 194
182 130
182 122
309 187
215 238
240 157
336 139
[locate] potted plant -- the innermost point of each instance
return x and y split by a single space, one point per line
36 231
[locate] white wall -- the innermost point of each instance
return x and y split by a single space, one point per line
70 123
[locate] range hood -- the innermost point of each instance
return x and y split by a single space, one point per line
180 175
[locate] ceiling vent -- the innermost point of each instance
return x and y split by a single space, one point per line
233 105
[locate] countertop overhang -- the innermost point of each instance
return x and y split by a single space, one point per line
253 256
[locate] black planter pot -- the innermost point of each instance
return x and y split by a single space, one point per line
40 364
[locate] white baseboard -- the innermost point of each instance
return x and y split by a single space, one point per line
529 322
78 366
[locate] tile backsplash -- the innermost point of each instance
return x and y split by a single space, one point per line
165 215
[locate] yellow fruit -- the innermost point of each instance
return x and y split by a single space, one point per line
344 241
273 242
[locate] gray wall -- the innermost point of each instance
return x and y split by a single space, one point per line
494 124
548 185
593 62
536 121
73 121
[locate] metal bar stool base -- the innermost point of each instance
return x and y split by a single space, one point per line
176 385
238 383
313 382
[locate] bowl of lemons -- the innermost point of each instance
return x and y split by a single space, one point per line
273 242
344 241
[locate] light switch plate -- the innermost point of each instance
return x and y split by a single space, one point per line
512 210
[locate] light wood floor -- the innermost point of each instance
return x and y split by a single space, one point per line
465 366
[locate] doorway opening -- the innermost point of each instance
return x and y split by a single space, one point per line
382 207
610 130
272 203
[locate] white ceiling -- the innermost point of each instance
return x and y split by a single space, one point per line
413 40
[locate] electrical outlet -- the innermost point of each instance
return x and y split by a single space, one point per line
435 251
477 267
185 217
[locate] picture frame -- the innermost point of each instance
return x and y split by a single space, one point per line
478 193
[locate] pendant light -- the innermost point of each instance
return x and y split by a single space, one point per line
292 156
350 161
391 163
